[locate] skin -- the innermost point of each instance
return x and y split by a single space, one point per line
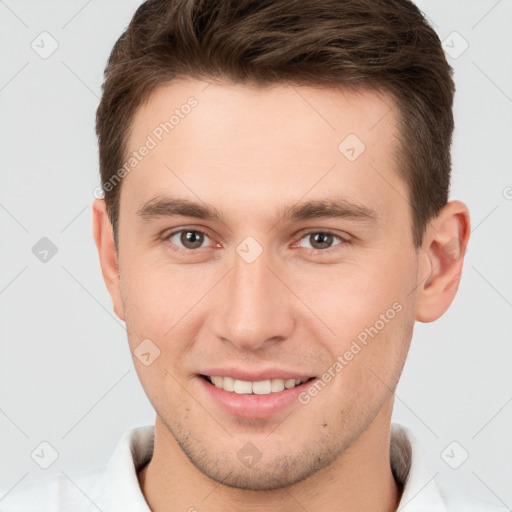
249 152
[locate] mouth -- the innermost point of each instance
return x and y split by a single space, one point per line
260 387
253 399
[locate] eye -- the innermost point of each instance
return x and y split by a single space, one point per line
188 238
320 240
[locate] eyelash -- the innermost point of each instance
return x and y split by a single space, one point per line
343 241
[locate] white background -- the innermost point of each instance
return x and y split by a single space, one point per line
66 376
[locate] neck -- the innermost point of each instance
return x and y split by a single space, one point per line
360 479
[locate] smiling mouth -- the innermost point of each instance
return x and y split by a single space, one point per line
261 387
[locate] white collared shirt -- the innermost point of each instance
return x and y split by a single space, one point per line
115 486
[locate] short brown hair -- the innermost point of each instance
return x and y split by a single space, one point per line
382 45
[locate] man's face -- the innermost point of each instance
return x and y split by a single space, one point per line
271 289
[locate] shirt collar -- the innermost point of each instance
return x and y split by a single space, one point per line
420 491
133 451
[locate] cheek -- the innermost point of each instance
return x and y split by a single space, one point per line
350 298
158 309
165 304
157 295
370 311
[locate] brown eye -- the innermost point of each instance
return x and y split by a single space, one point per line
320 240
188 239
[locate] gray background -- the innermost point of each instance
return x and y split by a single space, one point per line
66 376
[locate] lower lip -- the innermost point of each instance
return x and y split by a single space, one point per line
253 406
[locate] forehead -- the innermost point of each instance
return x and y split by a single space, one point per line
244 143
237 110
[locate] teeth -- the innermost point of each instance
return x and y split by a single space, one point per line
242 387
289 383
261 387
227 383
277 385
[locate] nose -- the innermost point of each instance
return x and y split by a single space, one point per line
254 306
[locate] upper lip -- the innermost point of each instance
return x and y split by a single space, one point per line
255 375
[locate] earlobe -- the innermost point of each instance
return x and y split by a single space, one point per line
441 260
103 236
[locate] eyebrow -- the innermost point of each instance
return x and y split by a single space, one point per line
335 208
339 208
172 207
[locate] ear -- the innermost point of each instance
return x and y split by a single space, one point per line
104 238
441 260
